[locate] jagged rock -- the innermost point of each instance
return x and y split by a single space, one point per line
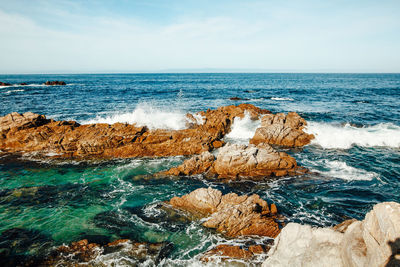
119 252
55 83
375 241
235 161
228 252
230 214
21 121
284 130
69 139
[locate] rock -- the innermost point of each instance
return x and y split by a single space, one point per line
375 241
196 165
21 121
55 83
230 214
228 252
237 98
4 84
284 130
123 251
236 161
68 139
253 161
23 84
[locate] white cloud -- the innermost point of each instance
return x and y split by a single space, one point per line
283 39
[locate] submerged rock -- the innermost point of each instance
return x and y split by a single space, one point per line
4 84
236 161
69 139
375 241
284 130
55 83
119 252
230 214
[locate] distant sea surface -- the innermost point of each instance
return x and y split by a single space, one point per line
354 159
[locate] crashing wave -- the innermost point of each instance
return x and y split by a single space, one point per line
345 136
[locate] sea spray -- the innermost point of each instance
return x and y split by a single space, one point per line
345 136
242 129
146 115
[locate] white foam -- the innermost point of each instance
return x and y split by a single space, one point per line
340 169
146 115
243 129
282 98
13 91
345 136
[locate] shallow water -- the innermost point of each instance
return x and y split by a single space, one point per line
355 157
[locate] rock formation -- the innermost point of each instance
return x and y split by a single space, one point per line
4 84
230 214
284 130
375 241
235 161
55 83
228 252
123 251
34 133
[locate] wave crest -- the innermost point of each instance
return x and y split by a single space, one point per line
146 115
345 136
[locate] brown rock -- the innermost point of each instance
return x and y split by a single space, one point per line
4 84
23 84
237 161
69 139
230 214
284 130
55 83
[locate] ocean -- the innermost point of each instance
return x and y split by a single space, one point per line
354 159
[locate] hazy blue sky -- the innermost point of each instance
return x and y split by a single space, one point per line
155 35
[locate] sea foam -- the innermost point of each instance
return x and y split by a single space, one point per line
146 115
243 129
345 136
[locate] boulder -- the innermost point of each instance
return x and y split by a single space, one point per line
283 130
230 214
375 241
69 139
239 161
55 83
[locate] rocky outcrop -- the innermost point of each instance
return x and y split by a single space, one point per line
375 241
283 130
55 83
4 84
123 251
69 139
229 252
230 214
239 161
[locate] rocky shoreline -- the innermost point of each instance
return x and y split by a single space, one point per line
371 242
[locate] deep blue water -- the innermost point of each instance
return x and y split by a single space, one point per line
355 158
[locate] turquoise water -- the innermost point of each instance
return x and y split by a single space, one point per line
355 159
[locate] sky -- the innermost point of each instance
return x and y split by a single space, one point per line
108 36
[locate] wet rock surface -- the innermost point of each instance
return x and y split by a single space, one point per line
230 214
239 161
4 84
68 139
375 241
119 252
228 252
283 130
